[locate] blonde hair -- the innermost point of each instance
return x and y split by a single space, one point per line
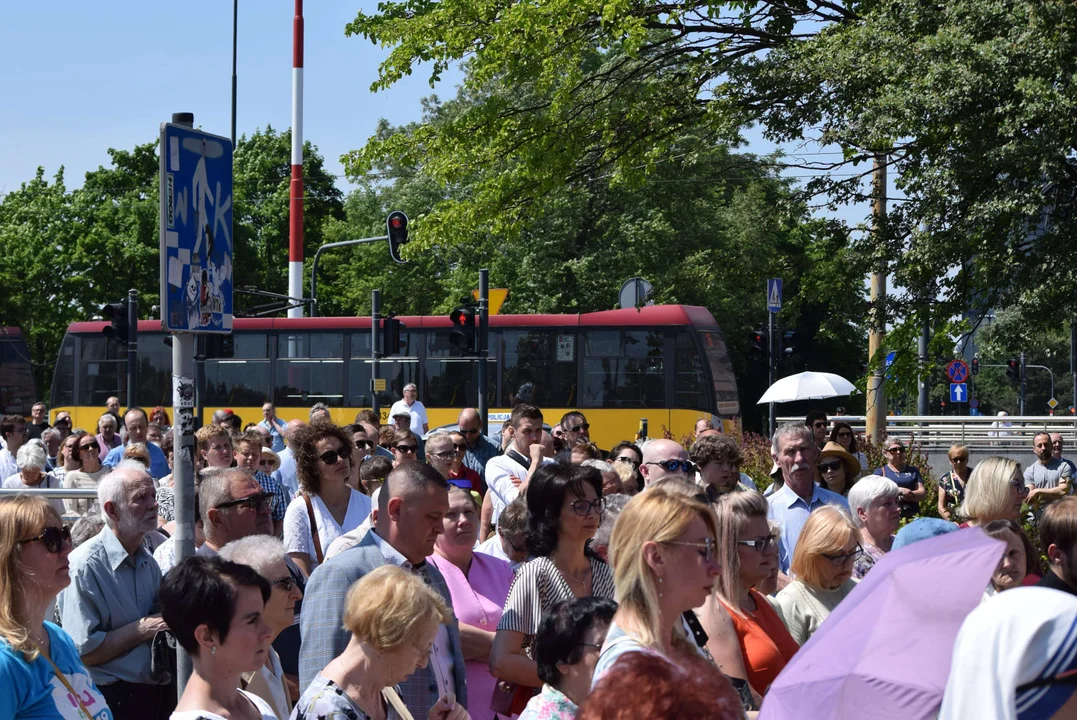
21 517
733 511
987 493
389 607
827 531
207 432
957 450
659 515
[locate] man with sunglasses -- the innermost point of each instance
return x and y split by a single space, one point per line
479 447
665 458
816 420
110 608
507 475
575 428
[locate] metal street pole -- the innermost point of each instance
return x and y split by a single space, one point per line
1073 366
1021 400
772 423
484 349
314 267
132 348
183 444
375 327
876 399
921 385
235 37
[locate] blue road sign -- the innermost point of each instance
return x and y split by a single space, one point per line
959 392
974 403
774 295
957 371
196 231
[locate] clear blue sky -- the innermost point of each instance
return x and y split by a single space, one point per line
79 78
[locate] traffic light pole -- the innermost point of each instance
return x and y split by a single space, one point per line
1021 399
314 267
484 347
375 323
132 348
771 362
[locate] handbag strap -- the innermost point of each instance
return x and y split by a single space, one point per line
314 529
67 685
389 693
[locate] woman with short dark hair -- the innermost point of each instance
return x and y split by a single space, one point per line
565 506
566 650
215 609
327 506
626 459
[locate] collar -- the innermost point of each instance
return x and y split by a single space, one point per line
790 498
114 550
392 555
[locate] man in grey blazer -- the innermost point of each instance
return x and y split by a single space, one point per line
411 505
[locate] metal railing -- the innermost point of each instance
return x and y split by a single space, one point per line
988 432
55 494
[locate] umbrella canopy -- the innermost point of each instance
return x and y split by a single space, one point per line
884 653
807 386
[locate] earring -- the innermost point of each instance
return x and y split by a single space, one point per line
660 591
213 650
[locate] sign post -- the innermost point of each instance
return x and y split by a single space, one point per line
774 304
196 288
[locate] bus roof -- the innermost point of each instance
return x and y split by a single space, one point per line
646 316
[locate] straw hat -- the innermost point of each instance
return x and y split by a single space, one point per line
274 459
833 449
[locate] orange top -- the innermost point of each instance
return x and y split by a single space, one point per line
764 642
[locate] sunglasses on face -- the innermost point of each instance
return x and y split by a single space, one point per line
896 450
707 547
576 429
265 463
519 545
331 457
90 446
832 466
286 583
845 434
406 449
838 560
760 545
472 431
364 444
258 502
445 455
54 538
584 508
685 466
631 461
459 448
1020 487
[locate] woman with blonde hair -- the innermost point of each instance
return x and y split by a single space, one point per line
952 484
393 617
41 674
746 637
995 491
664 556
823 561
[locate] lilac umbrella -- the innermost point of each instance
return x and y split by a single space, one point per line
884 652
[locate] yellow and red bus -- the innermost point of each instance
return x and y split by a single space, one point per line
666 363
18 392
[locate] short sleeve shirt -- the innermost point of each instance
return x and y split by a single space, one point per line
297 535
417 412
910 479
32 691
1047 476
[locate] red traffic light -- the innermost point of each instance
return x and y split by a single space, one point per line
396 222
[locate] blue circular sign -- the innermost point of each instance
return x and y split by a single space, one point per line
957 371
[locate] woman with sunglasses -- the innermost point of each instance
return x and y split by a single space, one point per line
842 434
908 478
67 460
746 636
952 484
405 447
823 561
995 491
88 475
266 555
327 507
626 459
41 674
564 504
837 469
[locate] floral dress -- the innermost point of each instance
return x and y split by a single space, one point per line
867 560
325 700
955 490
550 704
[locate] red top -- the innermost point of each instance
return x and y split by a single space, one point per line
764 642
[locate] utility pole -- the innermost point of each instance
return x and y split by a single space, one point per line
771 362
375 334
484 345
923 389
876 398
1024 373
132 348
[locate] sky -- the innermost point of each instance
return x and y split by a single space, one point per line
82 77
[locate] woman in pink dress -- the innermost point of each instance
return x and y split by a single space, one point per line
479 585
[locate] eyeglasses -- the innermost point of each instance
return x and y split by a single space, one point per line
265 463
760 545
584 426
54 538
257 502
472 431
831 466
685 466
896 450
590 645
1021 488
519 546
584 508
89 446
842 559
459 448
286 583
819 424
845 434
407 449
708 546
446 455
331 457
628 460
363 444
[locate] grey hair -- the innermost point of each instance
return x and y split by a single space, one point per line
31 455
50 432
258 551
867 490
214 488
790 430
615 503
86 527
600 465
413 386
113 486
107 417
317 408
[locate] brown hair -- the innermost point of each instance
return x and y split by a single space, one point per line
306 460
1058 526
21 517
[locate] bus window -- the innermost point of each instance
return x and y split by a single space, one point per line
546 358
154 371
725 385
310 369
63 383
397 372
690 375
449 380
623 369
102 371
17 387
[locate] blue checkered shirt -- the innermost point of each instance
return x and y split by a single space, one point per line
281 498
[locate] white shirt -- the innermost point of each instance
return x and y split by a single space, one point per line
297 535
500 471
417 411
7 464
492 546
48 481
260 705
286 473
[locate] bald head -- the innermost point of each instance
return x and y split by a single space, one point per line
470 426
659 451
290 427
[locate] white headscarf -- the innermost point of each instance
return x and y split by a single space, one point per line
1019 636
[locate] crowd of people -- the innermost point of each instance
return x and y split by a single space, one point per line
387 571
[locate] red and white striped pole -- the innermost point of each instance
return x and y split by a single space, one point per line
295 190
